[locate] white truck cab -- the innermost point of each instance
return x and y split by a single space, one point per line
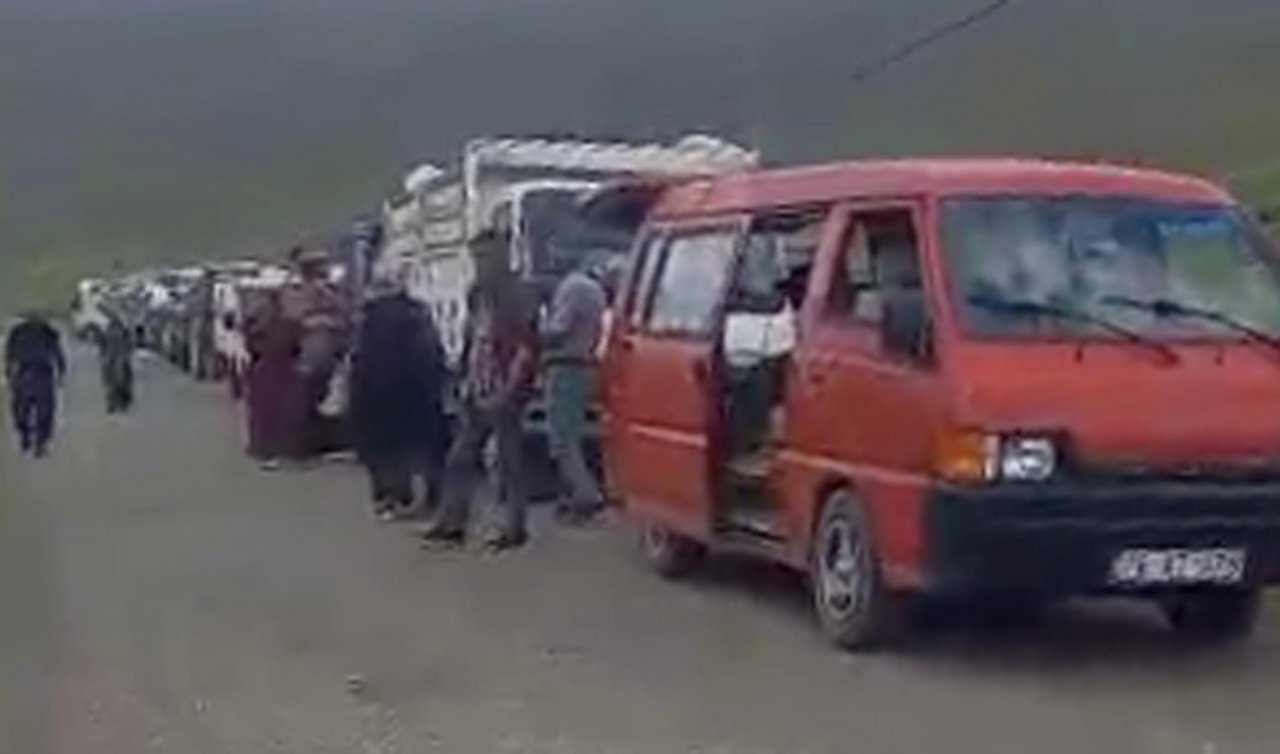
87 316
531 187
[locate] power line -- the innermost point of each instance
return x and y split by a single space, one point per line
871 67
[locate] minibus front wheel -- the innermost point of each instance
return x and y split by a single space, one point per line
853 606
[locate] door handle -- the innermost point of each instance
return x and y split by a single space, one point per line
701 371
815 372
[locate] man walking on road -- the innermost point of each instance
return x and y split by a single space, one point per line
397 383
499 359
570 337
33 365
115 354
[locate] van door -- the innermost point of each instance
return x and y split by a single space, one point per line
867 399
760 335
660 376
625 324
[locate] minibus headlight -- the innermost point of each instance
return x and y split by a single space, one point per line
975 456
1027 459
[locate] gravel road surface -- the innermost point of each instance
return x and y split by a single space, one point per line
161 593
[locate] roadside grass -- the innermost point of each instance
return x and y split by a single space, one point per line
1260 187
45 279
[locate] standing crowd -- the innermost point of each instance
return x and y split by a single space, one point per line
322 377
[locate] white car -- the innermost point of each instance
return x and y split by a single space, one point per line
87 317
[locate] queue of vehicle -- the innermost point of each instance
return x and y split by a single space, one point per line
1020 380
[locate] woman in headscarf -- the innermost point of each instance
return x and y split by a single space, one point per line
397 381
275 398
321 315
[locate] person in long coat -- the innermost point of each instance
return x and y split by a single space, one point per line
275 399
321 314
398 378
34 365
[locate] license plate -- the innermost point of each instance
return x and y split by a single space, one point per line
1139 567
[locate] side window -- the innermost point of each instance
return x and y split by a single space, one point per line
690 282
878 282
641 283
776 261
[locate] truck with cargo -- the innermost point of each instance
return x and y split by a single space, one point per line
531 187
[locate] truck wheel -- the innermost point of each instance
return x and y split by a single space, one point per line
669 554
1216 616
853 607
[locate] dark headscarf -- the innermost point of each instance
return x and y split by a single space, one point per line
397 377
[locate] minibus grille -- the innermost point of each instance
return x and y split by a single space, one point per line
1244 471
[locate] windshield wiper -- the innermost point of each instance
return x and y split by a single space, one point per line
1163 308
1028 307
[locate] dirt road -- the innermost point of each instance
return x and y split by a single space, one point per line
162 594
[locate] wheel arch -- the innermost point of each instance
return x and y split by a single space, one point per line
828 486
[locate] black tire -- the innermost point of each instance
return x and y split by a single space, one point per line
853 607
1214 616
670 555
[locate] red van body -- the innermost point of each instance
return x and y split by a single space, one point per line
975 441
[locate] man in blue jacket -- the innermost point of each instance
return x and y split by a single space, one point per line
33 366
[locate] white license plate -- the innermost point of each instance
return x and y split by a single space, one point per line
1219 565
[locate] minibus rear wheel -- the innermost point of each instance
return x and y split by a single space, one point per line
669 554
854 608
1221 615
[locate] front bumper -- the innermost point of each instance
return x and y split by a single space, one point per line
1061 538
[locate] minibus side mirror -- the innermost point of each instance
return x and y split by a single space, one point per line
905 329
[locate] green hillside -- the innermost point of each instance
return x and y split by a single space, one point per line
1261 186
168 129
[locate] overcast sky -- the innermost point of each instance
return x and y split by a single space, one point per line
135 129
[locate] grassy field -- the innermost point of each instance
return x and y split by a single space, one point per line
1261 187
139 131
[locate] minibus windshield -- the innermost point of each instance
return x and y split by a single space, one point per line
1154 268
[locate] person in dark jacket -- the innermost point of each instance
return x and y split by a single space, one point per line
397 416
499 359
33 366
115 354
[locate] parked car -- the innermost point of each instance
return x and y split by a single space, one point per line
87 318
1008 378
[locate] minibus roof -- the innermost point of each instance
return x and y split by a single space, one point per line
888 179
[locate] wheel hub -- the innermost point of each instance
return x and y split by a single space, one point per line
840 569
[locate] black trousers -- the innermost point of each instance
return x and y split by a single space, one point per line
392 474
33 405
752 394
465 468
117 382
